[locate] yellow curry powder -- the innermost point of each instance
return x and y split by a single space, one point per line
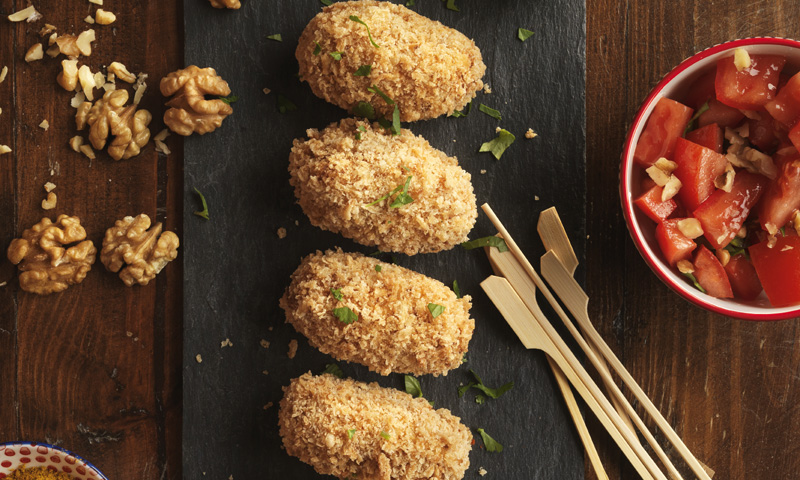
37 473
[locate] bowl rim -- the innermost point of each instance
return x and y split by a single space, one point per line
626 170
4 445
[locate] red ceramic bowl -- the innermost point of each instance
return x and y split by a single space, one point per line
15 454
641 228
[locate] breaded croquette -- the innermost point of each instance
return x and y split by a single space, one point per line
352 429
426 68
395 192
399 320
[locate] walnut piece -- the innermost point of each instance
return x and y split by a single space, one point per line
46 265
50 202
110 116
190 112
233 4
73 46
104 17
121 71
145 252
34 53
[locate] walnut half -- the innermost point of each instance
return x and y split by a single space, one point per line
145 252
47 267
190 112
110 116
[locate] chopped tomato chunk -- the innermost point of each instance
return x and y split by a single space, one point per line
721 114
711 275
701 91
779 269
650 203
752 87
785 107
698 166
743 278
724 213
762 132
674 245
709 136
782 195
666 123
794 136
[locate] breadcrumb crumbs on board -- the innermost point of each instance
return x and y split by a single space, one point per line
482 472
3 284
395 331
428 69
268 406
281 233
336 178
198 358
264 372
531 134
226 343
292 349
264 343
483 171
487 89
266 91
316 413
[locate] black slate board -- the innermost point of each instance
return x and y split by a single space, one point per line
236 267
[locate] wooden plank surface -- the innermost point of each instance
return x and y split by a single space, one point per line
236 267
728 386
94 369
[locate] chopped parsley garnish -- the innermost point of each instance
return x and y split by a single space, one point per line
362 128
736 247
345 315
378 268
358 135
363 71
693 120
317 49
358 20
377 91
386 435
230 99
456 290
499 144
451 5
695 282
524 34
490 443
336 55
478 384
495 242
364 109
334 370
462 113
435 309
285 105
464 359
351 433
402 199
490 111
337 294
326 2
480 399
413 386
411 3
277 37
204 212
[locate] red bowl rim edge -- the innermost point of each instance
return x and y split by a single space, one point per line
627 206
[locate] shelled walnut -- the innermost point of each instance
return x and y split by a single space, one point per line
145 252
190 112
233 4
46 265
110 116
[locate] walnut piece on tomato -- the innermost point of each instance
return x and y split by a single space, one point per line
189 111
47 264
141 250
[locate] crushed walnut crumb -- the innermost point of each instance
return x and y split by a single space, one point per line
482 472
483 171
292 349
198 358
531 134
50 202
3 73
28 14
264 343
34 53
226 343
281 232
44 125
49 187
266 91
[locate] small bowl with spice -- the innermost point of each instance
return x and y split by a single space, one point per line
40 461
710 179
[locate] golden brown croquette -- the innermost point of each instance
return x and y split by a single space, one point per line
395 330
353 429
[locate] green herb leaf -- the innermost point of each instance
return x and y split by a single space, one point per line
326 2
491 392
480 399
317 49
337 294
499 144
362 128
285 105
413 387
695 282
334 370
451 5
463 389
737 246
385 435
692 121
364 109
369 34
492 241
230 99
462 113
363 71
490 443
358 135
524 34
435 309
411 3
345 315
378 268
277 37
204 212
377 91
351 433
396 121
456 290
464 359
404 198
336 55
490 111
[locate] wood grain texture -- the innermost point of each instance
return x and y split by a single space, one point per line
727 386
93 369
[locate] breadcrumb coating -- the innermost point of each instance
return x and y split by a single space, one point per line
352 429
428 69
336 177
395 331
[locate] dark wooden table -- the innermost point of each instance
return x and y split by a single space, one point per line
110 387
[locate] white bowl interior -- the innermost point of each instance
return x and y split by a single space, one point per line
644 227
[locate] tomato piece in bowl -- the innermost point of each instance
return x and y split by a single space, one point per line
724 213
698 166
785 107
711 275
751 87
779 269
743 278
709 136
665 125
782 195
721 114
651 205
675 246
